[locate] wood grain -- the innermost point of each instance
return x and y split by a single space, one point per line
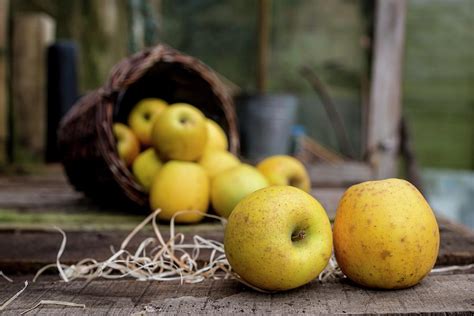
457 244
24 251
385 98
439 294
32 33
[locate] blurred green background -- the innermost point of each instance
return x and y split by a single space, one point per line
331 37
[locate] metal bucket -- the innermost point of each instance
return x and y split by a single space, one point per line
265 123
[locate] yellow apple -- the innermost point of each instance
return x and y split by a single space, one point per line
278 238
216 137
142 117
285 170
180 186
215 161
385 234
180 133
145 167
128 146
232 185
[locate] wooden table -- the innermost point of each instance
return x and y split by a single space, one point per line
29 205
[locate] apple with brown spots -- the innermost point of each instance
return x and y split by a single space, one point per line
385 234
278 238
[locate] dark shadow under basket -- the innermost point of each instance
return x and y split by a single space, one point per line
86 143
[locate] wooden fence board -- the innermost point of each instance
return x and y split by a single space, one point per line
385 105
339 174
32 33
4 10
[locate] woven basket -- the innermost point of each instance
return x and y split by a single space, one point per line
86 142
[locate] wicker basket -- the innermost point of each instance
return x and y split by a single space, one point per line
86 143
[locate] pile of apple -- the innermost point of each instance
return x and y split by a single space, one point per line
278 237
186 165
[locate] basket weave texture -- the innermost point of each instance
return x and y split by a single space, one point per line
86 142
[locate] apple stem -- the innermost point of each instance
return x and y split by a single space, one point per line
300 235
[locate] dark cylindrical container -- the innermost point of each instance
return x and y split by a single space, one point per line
62 90
265 123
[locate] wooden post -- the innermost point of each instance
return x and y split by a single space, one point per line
385 97
32 34
4 9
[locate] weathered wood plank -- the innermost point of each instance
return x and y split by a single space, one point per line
339 174
40 291
385 99
4 10
68 219
44 191
457 244
23 251
436 294
32 203
50 193
32 33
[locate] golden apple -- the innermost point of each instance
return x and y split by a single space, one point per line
128 146
285 170
232 185
180 133
180 186
216 161
216 137
142 117
145 168
278 238
385 234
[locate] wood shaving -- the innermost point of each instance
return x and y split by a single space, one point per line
49 302
5 277
162 260
11 299
153 259
159 260
452 268
331 272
